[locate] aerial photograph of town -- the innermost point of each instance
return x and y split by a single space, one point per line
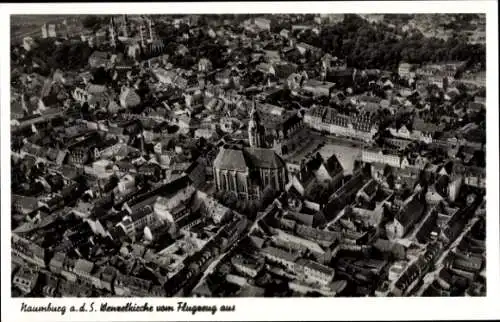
248 155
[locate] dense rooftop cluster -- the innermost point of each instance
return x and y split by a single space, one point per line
242 156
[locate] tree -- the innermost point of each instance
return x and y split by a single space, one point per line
268 195
398 252
92 21
112 183
229 199
100 76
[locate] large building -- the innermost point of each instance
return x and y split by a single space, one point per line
247 171
255 129
405 70
275 128
361 126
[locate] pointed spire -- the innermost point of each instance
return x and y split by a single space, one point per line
124 26
112 32
141 31
253 113
23 102
150 24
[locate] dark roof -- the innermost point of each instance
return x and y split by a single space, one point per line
230 159
446 276
333 165
425 127
371 187
264 158
411 212
372 99
140 213
99 55
242 159
301 217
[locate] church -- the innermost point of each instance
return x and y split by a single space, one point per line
274 127
247 171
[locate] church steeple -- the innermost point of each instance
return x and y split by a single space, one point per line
255 133
112 33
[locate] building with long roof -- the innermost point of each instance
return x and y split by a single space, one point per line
247 171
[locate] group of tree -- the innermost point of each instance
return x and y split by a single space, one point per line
93 22
50 55
368 45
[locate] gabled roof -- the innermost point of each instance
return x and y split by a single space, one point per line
425 127
99 55
96 89
333 165
264 158
230 159
242 159
410 212
84 266
203 289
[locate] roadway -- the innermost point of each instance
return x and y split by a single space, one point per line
431 276
211 268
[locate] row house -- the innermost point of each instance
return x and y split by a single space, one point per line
263 23
317 87
136 221
129 98
362 126
406 70
25 279
28 251
99 59
314 271
71 269
93 94
25 204
104 278
411 211
247 266
125 285
282 257
390 158
419 131
473 176
304 49
300 244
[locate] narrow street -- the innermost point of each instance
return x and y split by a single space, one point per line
210 269
430 277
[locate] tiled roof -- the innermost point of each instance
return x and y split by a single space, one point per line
140 213
84 266
99 55
410 212
230 159
425 127
264 158
316 266
276 252
241 160
333 165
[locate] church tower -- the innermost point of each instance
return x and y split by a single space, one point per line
255 132
112 33
141 32
125 26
